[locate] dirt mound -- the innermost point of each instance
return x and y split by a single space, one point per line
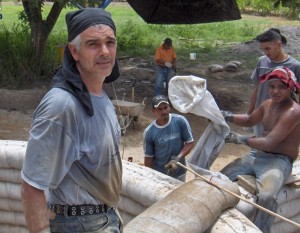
292 34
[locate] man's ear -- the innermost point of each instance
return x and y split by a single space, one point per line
73 52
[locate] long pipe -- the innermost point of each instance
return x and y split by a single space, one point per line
240 197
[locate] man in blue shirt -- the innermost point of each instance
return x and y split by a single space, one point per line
167 138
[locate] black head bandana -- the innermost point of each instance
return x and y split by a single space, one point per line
78 21
68 77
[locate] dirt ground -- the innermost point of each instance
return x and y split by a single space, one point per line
17 106
231 90
228 88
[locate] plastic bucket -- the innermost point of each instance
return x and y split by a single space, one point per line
192 56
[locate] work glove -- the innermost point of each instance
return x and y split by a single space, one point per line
172 164
236 138
228 116
168 64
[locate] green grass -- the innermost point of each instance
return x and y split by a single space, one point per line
136 38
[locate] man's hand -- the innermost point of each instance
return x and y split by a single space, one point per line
236 138
228 116
168 64
172 164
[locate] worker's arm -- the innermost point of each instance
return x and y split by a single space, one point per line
35 208
148 162
246 120
186 149
283 128
253 100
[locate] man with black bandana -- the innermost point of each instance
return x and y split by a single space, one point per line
72 171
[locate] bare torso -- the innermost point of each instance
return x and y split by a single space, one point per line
282 123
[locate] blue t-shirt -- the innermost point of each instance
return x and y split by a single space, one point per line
164 142
75 158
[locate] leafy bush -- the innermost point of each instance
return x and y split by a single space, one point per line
14 47
135 38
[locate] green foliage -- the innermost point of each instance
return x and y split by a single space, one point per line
292 6
287 8
14 47
211 41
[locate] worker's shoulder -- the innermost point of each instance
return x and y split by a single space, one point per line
58 101
178 117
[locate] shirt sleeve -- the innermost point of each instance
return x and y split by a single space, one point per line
47 158
148 144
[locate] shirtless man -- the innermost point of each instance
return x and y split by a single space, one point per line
272 160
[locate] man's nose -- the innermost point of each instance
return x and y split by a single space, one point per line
103 49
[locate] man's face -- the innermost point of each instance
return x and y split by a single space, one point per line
271 49
278 90
167 46
162 113
96 56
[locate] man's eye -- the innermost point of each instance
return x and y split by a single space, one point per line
111 42
91 44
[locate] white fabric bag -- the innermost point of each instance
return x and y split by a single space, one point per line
188 94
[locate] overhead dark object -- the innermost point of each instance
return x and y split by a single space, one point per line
185 11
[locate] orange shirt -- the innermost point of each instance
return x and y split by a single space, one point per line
166 54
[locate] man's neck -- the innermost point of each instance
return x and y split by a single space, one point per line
281 57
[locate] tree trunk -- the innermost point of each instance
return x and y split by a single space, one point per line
40 28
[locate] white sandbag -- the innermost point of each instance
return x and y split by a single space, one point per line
130 206
288 193
126 217
191 208
12 218
12 153
145 185
233 221
244 207
296 167
10 175
214 68
231 67
286 227
11 205
10 190
6 228
288 209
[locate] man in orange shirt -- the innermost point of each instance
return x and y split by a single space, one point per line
165 58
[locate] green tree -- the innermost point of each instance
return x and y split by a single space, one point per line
41 25
292 5
40 28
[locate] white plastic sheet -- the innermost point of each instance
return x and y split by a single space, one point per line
188 94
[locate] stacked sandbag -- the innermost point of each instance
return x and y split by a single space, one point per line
12 219
288 200
233 221
288 205
141 188
193 207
